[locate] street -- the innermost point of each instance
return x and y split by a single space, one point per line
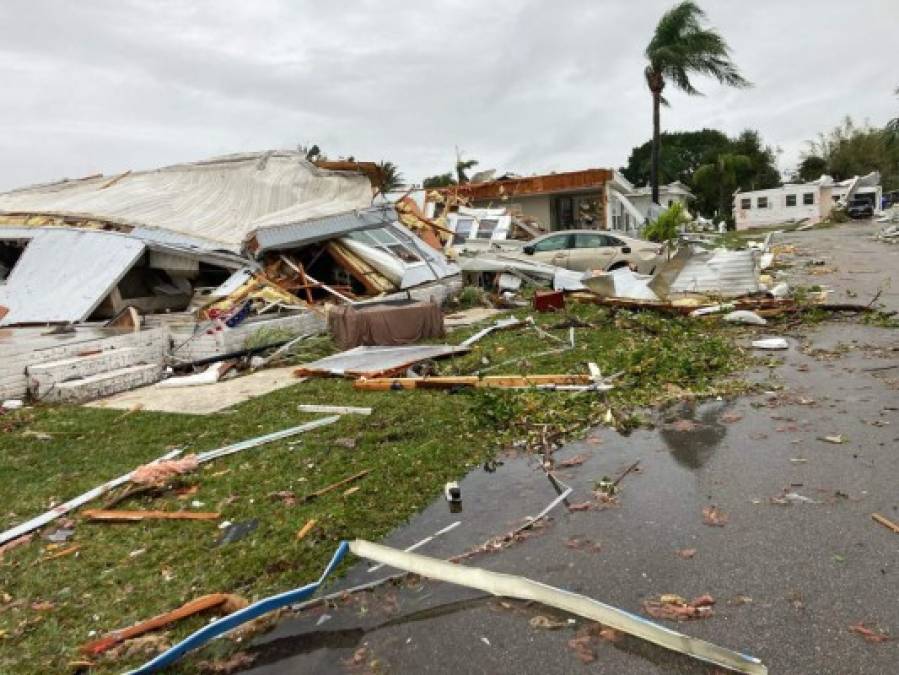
798 561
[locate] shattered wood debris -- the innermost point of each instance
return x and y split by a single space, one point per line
203 457
675 608
222 602
333 486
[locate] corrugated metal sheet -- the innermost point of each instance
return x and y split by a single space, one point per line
64 274
370 361
217 200
720 272
309 231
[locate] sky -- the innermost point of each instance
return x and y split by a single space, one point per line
523 86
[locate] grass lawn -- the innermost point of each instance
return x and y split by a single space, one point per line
413 443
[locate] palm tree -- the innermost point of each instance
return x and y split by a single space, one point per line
462 167
390 177
724 175
680 48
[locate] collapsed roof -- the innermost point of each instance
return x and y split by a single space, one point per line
219 201
158 241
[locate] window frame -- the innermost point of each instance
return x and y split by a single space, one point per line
808 198
761 202
393 245
791 197
746 203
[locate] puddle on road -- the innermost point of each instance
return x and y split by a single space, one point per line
495 499
693 444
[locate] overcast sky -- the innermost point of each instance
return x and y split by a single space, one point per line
529 87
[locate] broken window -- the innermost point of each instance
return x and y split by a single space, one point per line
463 230
746 203
387 241
761 203
791 200
9 256
486 226
808 198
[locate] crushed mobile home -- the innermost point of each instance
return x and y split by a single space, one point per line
187 261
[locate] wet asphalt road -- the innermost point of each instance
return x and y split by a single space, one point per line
789 580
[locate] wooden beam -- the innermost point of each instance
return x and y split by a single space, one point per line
129 516
196 606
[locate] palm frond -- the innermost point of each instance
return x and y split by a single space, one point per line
682 46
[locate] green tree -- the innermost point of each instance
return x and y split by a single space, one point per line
722 178
439 181
849 150
682 152
665 228
811 168
762 158
679 48
390 177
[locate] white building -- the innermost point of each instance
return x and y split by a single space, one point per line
631 207
794 202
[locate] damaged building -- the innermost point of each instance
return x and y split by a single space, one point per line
103 279
591 199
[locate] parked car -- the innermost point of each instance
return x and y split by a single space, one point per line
860 208
584 250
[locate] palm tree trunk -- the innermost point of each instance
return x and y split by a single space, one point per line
656 147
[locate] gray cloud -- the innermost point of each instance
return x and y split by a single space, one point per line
523 86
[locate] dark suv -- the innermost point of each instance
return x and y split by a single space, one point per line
860 208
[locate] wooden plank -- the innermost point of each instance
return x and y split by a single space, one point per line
128 516
188 609
305 284
886 522
334 486
306 529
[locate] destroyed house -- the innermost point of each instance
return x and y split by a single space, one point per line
190 261
592 199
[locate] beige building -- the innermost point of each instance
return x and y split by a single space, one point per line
600 199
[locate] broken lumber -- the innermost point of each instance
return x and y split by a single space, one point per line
195 606
74 548
886 522
134 516
306 529
490 381
333 486
62 509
